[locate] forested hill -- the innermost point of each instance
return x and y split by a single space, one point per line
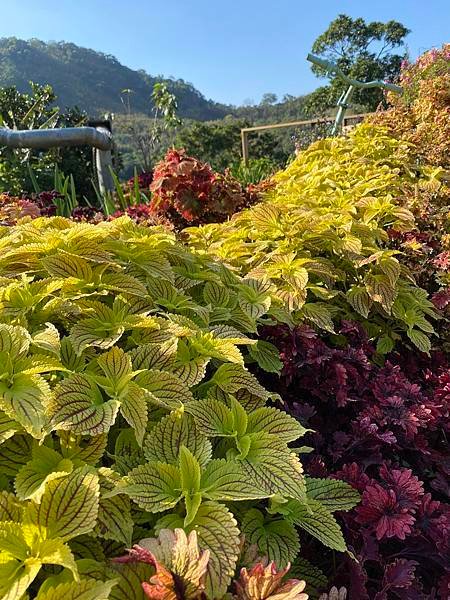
92 80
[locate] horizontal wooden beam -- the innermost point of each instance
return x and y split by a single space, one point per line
298 123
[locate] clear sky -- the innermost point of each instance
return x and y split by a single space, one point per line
231 50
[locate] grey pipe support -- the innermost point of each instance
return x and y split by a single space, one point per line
52 138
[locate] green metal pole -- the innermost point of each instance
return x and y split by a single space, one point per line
343 104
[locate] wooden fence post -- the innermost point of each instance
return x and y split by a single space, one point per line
244 139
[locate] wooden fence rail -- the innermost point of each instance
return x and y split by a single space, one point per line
246 130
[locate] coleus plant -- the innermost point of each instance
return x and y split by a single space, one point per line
388 438
181 567
319 240
126 408
188 191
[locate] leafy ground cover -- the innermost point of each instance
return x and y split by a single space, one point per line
126 410
206 415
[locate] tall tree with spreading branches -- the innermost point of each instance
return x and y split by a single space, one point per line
364 51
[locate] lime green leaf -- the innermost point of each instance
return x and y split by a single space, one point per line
14 453
78 406
10 508
86 589
318 314
192 371
155 487
120 282
333 494
275 538
47 464
164 441
134 409
189 471
227 480
47 339
165 389
155 356
318 522
55 552
216 294
420 340
129 579
89 449
16 577
23 400
116 365
67 265
101 331
69 358
69 506
114 520
275 422
209 346
385 344
267 356
273 468
231 378
314 577
360 300
381 290
14 340
8 427
212 417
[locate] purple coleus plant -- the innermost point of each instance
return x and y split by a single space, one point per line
383 429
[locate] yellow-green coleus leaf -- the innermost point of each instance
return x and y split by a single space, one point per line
155 487
78 406
276 422
275 538
23 551
22 398
164 389
69 505
333 494
212 417
271 466
46 465
114 520
164 441
314 518
231 378
86 589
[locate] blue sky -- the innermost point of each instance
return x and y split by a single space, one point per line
230 50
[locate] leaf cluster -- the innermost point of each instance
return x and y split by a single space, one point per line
126 408
318 244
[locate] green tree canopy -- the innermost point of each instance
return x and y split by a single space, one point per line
364 51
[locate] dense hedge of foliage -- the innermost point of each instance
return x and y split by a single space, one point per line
126 409
319 239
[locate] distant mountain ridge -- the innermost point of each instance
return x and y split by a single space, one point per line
93 81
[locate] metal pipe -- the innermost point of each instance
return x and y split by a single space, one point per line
52 138
333 68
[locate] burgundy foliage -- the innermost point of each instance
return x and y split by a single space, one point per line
189 192
383 429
